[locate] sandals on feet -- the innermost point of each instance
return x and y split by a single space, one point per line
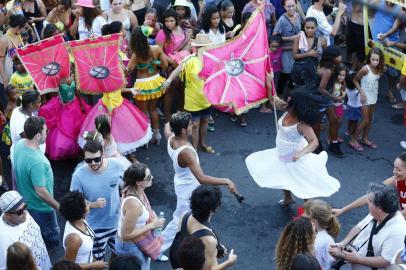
207 149
356 146
285 204
370 144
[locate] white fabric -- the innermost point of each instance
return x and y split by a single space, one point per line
396 255
97 25
306 178
27 233
386 243
354 98
370 83
324 28
216 38
141 220
184 180
104 5
85 252
126 25
321 246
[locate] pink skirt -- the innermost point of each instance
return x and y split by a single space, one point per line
130 127
64 122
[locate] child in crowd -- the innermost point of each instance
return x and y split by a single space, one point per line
103 126
213 26
295 169
327 228
275 57
185 19
366 81
352 111
20 78
340 73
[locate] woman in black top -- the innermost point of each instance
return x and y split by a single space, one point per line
35 12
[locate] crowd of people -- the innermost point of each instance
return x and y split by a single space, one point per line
320 76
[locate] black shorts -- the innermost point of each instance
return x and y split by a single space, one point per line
355 41
201 115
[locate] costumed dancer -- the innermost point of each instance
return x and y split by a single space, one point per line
146 59
64 115
292 166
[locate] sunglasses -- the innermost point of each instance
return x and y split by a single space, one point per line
19 212
148 177
90 160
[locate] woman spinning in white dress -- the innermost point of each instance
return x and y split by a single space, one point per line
292 166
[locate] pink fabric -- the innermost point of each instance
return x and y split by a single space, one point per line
129 126
176 41
64 122
95 55
227 90
47 62
276 59
303 46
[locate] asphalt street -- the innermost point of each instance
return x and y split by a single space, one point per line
253 227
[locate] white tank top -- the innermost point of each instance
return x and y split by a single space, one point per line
184 179
370 84
85 252
141 221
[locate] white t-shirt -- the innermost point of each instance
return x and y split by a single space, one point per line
321 246
354 98
216 38
324 28
386 243
97 25
27 233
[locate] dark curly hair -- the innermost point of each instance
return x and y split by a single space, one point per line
204 199
112 28
139 44
297 237
73 206
49 31
66 265
328 57
169 13
206 20
377 51
304 107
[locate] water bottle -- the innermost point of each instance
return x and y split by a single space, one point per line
158 231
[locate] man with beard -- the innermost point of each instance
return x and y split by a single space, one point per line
35 180
99 179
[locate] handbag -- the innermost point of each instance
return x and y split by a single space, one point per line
149 243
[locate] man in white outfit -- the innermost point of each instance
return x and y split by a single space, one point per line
188 173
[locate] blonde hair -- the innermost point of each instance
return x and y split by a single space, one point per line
297 237
321 211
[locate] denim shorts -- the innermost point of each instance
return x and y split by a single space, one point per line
130 248
353 113
201 115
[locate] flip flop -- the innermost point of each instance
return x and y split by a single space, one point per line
207 149
243 124
284 204
370 144
356 146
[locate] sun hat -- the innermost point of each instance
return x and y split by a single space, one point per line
85 3
201 40
10 201
182 3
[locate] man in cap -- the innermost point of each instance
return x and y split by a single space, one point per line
16 225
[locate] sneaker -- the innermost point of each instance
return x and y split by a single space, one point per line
335 149
403 145
162 258
319 149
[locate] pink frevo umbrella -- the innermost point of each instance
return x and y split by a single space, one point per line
235 71
98 68
47 62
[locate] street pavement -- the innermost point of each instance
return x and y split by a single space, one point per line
252 228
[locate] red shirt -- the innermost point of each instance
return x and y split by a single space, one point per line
401 187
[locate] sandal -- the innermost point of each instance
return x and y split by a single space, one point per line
285 204
207 149
398 106
356 146
370 144
234 118
243 124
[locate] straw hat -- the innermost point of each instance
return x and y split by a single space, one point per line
201 40
182 3
85 3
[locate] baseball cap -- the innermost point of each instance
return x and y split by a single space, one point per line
10 201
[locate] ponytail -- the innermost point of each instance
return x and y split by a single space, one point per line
333 226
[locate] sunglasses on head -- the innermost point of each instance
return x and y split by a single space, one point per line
19 212
90 160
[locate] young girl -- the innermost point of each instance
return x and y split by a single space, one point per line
103 126
295 169
366 81
352 111
185 19
327 228
340 73
213 26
